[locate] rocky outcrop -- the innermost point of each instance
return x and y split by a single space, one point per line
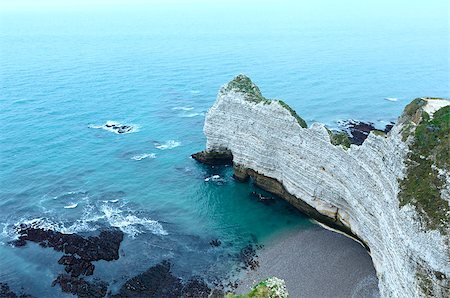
392 192
79 252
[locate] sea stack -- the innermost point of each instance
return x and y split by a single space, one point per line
392 192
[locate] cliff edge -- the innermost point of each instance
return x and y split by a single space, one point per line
392 192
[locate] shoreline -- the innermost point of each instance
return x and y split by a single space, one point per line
315 262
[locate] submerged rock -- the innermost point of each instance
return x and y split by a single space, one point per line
215 243
80 287
5 292
158 281
391 192
263 199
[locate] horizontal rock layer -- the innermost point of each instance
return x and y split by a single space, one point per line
354 189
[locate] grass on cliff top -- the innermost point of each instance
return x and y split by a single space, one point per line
243 84
252 93
422 185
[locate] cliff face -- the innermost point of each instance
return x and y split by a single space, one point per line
368 190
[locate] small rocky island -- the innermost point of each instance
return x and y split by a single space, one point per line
391 191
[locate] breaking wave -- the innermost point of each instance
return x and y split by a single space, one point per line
183 108
190 115
92 219
144 156
170 144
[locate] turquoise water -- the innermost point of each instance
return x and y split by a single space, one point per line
64 71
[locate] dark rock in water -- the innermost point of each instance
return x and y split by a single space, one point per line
158 281
214 158
80 252
5 292
123 128
389 127
102 247
263 199
358 131
80 287
216 293
76 266
195 288
247 257
215 242
117 127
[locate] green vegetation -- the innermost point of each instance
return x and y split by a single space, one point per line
293 113
270 288
378 132
245 85
422 185
339 138
252 93
425 284
412 108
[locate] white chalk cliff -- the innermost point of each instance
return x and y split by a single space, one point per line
355 188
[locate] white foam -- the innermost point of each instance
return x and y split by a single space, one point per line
111 201
190 115
195 91
130 223
71 206
90 221
183 108
391 98
144 156
47 224
170 144
215 178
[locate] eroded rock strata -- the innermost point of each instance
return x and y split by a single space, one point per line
392 192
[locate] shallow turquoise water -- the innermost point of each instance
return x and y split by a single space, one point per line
160 68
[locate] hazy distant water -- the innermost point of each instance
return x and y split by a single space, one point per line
160 69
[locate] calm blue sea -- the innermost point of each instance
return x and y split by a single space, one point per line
158 66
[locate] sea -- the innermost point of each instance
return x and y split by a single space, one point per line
68 69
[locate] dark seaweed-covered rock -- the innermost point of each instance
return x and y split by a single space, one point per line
80 287
102 247
358 131
247 257
214 158
195 288
76 266
158 281
79 253
215 242
5 292
389 127
123 128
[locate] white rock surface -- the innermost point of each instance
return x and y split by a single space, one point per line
358 185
